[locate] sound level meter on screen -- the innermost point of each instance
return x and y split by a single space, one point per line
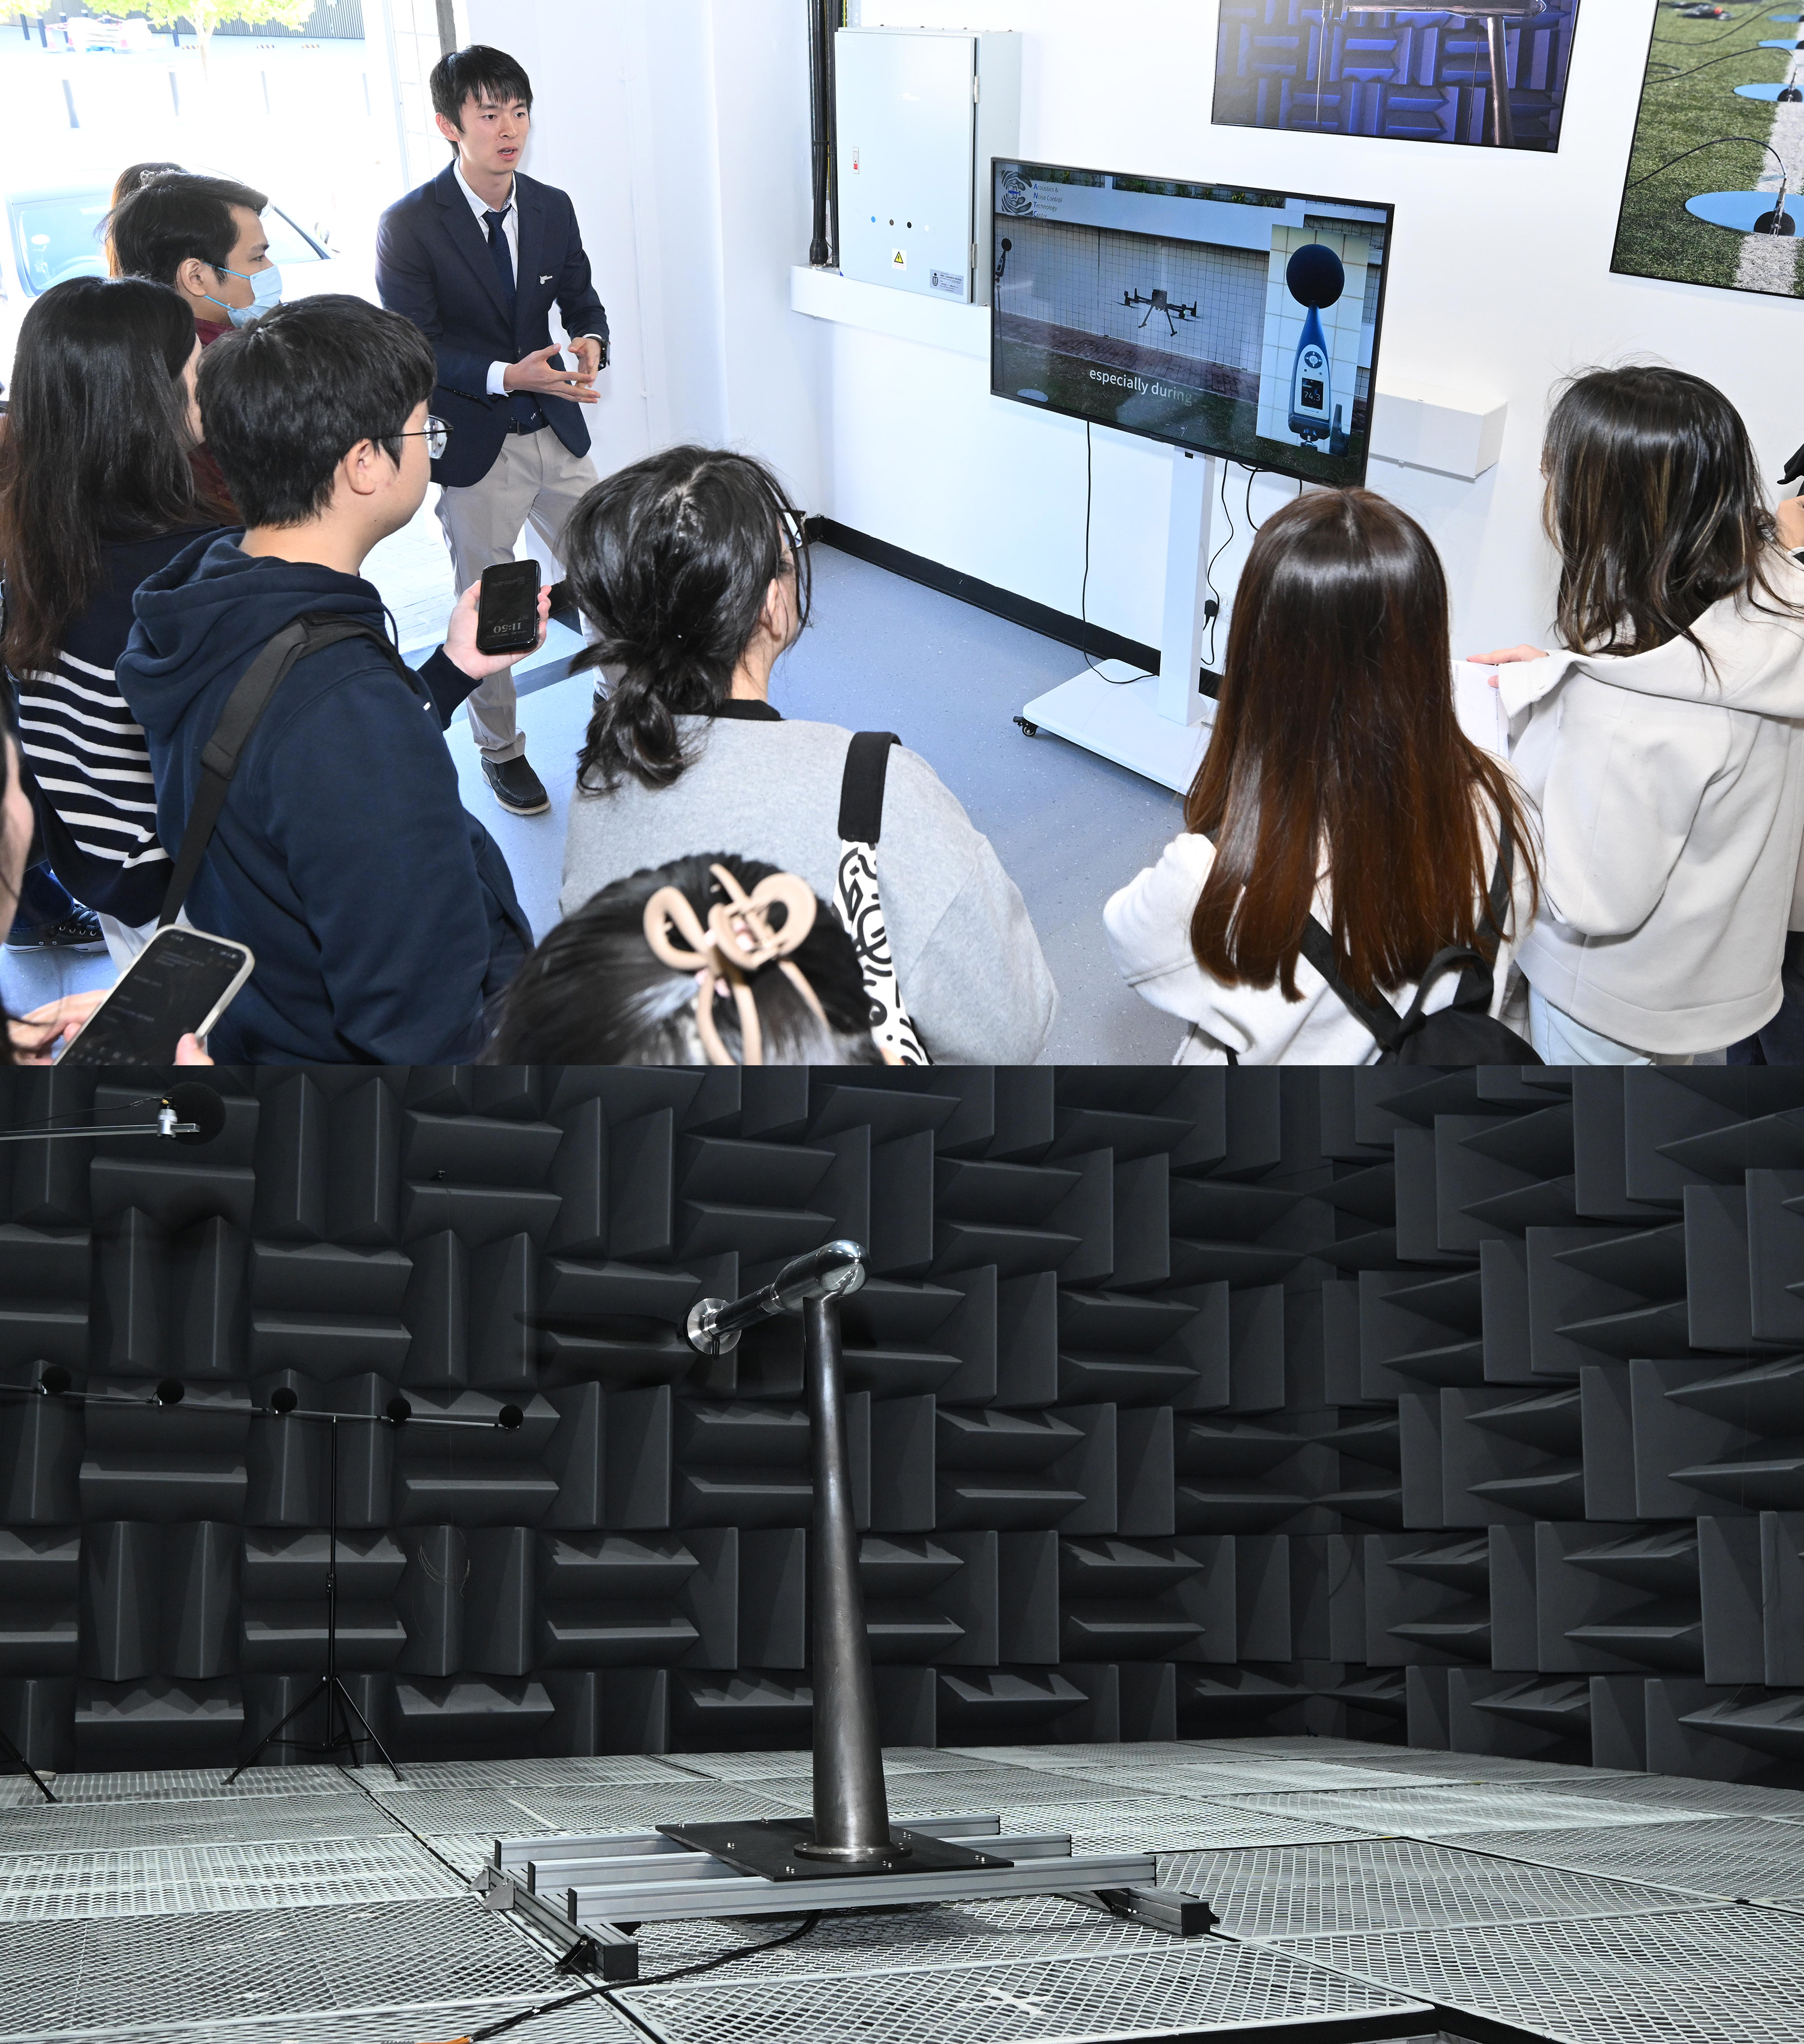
1226 319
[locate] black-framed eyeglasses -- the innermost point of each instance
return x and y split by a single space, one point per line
435 432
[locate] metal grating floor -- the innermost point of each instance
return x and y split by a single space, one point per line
1183 1992
590 1808
193 1784
244 1820
316 1906
1266 1778
1745 1858
1393 1884
1723 1976
1451 1807
1680 1795
174 1880
580 1772
591 2022
897 1760
105 1974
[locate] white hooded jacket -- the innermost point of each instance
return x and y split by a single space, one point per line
1671 794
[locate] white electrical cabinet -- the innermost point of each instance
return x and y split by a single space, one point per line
920 113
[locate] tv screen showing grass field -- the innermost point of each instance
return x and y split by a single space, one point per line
1227 320
1709 197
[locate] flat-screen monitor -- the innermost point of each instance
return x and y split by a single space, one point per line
1224 319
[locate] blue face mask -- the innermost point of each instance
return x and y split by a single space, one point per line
266 291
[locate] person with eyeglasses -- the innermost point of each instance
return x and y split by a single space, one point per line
382 914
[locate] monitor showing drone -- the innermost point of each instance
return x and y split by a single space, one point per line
1227 320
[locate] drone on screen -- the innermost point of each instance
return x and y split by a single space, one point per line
1160 301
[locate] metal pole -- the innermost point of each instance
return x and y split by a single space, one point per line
333 1713
820 62
851 1810
1502 126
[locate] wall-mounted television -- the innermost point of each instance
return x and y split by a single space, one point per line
1221 318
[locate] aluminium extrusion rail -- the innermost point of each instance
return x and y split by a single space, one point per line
647 1875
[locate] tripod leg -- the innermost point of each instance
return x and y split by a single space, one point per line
277 1729
13 1753
348 1703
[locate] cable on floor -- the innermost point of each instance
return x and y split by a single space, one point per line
608 1992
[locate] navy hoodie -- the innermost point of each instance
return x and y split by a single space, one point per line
382 914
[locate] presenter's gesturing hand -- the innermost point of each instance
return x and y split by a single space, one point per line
460 637
536 373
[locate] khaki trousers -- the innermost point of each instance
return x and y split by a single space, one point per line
535 481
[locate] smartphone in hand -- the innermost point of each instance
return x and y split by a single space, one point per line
507 608
178 985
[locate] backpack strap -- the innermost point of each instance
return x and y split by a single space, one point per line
237 725
861 787
1376 1016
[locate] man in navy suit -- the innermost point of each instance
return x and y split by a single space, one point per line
476 259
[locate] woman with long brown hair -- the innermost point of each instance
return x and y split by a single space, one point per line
97 493
1337 783
1664 745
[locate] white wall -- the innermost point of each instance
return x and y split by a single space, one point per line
681 129
1500 284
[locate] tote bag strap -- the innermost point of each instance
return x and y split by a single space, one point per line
859 902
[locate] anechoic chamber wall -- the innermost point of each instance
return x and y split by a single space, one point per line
1464 1408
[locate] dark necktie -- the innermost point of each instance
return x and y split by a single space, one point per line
502 261
524 405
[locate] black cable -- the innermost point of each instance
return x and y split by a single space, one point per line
1084 593
1728 56
1721 142
1703 42
1209 567
607 1992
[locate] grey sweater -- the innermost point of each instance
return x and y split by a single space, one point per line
965 956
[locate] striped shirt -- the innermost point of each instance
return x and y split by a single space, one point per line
94 793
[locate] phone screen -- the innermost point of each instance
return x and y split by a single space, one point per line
507 607
174 986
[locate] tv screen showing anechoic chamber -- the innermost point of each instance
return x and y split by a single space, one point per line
1224 319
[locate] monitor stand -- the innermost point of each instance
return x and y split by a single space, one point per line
1159 727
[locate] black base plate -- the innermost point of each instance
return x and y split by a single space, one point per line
767 1846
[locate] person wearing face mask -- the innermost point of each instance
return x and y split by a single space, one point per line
96 492
204 237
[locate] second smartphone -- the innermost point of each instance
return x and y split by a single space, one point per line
507 608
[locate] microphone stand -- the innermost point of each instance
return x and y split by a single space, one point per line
851 1832
8 1751
341 1705
847 1855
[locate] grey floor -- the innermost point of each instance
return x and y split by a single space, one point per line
1361 1890
882 654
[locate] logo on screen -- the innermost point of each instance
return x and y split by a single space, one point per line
1017 195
